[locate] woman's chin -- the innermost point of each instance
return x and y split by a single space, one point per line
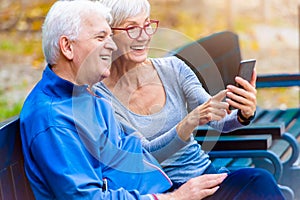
139 58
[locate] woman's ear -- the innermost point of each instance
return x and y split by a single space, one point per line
66 47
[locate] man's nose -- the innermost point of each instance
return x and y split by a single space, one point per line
111 44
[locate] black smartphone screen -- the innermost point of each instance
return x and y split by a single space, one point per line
246 69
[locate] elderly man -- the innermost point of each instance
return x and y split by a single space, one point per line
73 146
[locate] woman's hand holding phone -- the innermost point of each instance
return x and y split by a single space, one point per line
243 95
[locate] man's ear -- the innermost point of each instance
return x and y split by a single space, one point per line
66 47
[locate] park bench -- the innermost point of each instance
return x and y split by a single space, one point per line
13 181
271 140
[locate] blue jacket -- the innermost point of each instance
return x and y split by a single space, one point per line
72 142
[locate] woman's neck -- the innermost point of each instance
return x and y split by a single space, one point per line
129 73
137 86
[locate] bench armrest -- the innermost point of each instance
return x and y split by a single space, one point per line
241 142
274 129
278 80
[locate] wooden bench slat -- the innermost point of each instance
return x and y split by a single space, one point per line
294 129
268 116
13 180
243 142
240 163
6 185
279 147
278 80
274 129
221 162
287 116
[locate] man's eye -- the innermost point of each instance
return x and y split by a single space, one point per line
100 37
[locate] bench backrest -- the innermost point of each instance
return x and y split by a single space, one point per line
214 59
13 181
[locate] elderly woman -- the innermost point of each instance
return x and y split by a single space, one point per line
151 95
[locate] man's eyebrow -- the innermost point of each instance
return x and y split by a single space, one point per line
101 32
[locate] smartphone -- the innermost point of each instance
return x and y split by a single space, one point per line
245 71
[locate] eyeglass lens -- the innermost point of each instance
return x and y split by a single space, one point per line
136 31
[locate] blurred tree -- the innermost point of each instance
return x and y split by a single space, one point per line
10 13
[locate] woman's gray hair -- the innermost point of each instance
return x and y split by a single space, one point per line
65 18
123 9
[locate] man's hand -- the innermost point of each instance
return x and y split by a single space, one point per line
196 188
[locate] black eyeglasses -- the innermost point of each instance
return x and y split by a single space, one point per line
136 31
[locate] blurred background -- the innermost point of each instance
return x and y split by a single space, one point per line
268 31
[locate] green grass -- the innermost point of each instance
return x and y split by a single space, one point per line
20 45
8 110
16 48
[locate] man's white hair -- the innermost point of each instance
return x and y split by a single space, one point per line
65 18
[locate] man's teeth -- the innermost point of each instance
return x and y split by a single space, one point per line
105 57
138 47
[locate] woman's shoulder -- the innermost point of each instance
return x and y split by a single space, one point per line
170 60
169 64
